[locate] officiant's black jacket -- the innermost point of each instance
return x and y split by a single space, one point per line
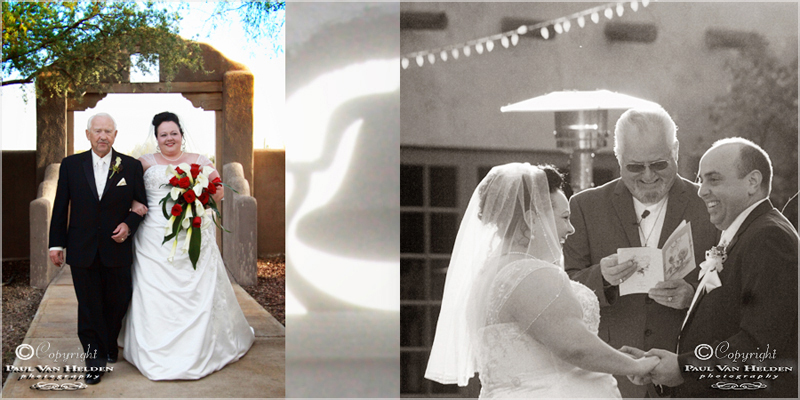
92 221
755 307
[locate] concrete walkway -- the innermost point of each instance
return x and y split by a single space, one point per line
260 373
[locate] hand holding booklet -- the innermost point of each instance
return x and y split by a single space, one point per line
653 265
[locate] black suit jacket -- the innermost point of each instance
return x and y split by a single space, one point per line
92 221
754 309
605 220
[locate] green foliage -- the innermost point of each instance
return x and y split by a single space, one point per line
262 21
761 105
68 47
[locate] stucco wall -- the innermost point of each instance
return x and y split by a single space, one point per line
19 189
270 182
457 103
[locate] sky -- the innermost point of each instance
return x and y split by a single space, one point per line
134 112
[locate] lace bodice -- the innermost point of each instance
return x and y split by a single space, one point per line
512 363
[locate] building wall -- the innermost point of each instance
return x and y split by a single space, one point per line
457 103
19 190
270 182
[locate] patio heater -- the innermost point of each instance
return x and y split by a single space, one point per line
581 124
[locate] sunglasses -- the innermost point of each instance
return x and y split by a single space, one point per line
654 166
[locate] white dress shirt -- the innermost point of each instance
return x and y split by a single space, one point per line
727 235
101 166
651 225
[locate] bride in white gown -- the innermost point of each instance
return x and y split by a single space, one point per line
509 310
182 323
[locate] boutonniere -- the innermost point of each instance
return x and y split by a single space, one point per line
711 267
117 167
715 257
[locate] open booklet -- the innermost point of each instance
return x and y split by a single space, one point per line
653 265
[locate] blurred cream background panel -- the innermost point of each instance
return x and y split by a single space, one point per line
343 199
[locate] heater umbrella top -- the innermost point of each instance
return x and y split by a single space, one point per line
574 100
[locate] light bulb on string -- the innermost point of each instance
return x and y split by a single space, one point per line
443 55
620 9
479 48
490 45
581 21
566 25
514 39
467 50
595 17
645 3
545 33
523 29
504 41
404 63
558 28
455 54
635 6
431 58
609 13
420 60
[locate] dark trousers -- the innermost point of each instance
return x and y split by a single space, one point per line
103 296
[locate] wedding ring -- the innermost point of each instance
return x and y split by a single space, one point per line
669 299
621 280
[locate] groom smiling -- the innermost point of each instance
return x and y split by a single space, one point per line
746 302
96 188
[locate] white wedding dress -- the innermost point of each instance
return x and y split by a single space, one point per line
511 363
182 323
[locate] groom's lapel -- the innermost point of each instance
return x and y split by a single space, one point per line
88 170
111 181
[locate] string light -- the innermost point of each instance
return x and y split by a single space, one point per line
560 25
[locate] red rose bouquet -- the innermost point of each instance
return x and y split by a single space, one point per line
193 207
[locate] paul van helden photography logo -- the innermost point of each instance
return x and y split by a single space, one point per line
50 372
752 367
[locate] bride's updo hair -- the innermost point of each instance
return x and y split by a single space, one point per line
555 182
165 116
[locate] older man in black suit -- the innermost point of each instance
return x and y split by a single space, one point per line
746 302
96 188
641 208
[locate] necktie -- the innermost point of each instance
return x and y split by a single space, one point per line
100 173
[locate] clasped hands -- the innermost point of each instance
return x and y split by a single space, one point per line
674 293
665 372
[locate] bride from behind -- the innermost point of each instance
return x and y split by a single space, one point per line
509 310
182 323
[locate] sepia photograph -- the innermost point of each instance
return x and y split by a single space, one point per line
538 139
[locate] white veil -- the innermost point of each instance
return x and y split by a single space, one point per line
510 212
150 145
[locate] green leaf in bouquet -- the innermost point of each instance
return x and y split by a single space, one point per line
194 247
163 203
176 227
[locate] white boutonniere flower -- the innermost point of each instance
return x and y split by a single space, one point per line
117 167
711 267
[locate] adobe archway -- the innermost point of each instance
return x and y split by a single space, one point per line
227 90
